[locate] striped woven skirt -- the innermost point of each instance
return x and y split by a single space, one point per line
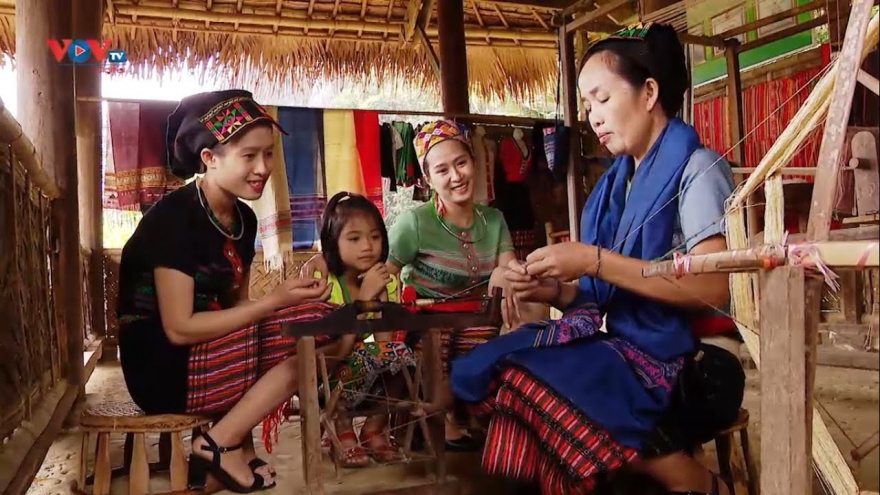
221 371
536 434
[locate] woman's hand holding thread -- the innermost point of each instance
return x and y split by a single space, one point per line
299 290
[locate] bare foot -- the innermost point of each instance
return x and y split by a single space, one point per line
233 462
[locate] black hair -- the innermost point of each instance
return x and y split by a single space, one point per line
340 208
659 54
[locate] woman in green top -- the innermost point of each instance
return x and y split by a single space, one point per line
451 246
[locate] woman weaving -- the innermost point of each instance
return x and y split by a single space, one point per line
567 402
191 341
450 246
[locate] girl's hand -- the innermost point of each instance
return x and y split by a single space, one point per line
374 281
299 290
564 261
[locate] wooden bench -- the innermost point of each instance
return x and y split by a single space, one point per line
100 420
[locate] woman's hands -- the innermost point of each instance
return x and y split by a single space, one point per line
565 261
530 288
374 282
299 290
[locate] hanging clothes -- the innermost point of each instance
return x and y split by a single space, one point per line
289 210
137 175
481 174
515 157
386 157
366 125
341 153
407 164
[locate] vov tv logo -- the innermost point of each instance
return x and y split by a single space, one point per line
84 52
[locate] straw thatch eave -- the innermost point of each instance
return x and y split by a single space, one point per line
283 44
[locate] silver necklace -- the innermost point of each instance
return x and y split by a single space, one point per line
464 239
214 222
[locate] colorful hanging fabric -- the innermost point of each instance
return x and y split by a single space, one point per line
366 125
341 154
407 165
289 211
136 175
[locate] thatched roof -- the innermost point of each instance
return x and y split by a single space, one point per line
289 43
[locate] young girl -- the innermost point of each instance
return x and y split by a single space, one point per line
355 247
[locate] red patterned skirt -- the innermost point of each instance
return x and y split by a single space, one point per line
221 371
536 435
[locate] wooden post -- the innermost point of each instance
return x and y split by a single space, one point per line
45 98
88 19
454 86
827 172
737 128
574 177
310 427
785 451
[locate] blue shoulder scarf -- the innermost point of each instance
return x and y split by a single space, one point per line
640 227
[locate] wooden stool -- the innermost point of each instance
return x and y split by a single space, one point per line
125 417
745 480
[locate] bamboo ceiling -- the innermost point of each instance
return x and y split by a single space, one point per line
288 43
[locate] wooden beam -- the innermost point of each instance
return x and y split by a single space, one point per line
825 185
45 93
88 18
854 360
412 16
866 233
32 442
770 19
869 81
588 17
574 179
544 4
785 461
454 85
734 102
429 51
418 13
784 33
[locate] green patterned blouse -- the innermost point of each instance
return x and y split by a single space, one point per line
440 259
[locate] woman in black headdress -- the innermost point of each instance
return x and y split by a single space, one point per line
191 340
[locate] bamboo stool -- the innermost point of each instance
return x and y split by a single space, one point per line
744 478
125 417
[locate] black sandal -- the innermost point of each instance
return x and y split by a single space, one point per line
257 463
199 467
715 479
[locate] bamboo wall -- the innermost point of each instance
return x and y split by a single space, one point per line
32 356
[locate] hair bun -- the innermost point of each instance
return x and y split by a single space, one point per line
667 56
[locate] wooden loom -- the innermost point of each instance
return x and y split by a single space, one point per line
392 316
789 313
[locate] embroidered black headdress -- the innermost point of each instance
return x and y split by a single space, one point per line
206 119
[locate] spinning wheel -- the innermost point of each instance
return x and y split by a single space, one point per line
425 389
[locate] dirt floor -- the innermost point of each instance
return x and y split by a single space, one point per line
848 400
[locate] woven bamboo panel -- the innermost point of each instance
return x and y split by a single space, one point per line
31 356
264 280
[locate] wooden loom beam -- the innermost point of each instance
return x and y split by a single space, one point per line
849 254
825 185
